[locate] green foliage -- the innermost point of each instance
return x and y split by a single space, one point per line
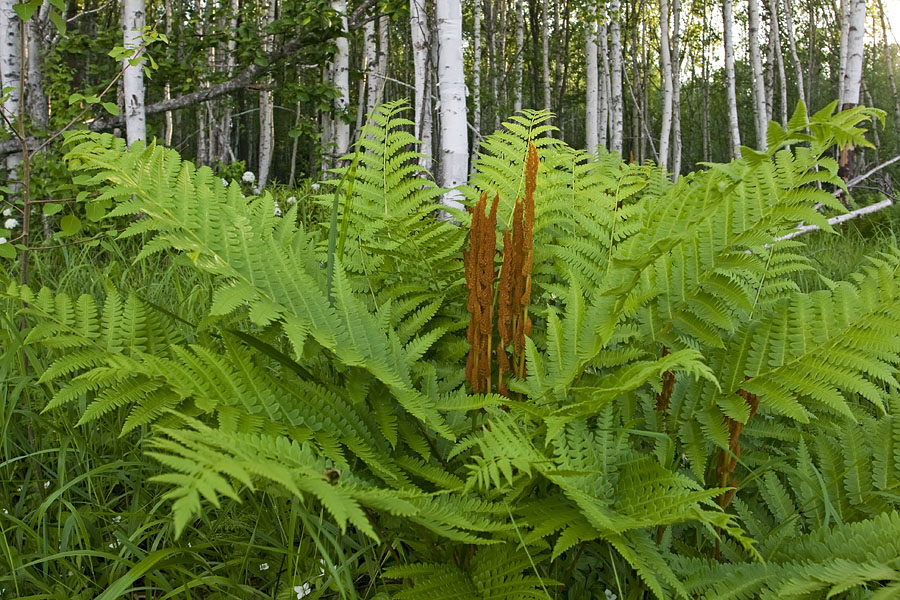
346 405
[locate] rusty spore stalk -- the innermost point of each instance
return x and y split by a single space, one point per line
514 290
480 275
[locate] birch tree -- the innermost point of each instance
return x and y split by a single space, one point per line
452 86
421 39
758 83
545 54
520 54
133 76
792 46
35 99
616 100
476 78
852 46
10 72
266 109
730 91
341 74
676 87
605 86
591 128
666 63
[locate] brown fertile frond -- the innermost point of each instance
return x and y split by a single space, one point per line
480 274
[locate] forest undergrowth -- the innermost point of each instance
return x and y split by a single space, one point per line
595 383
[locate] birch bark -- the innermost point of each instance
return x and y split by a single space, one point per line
890 65
420 32
666 63
341 83
545 53
603 118
10 71
792 46
591 132
731 93
852 45
759 86
676 88
133 77
616 103
452 87
266 110
35 99
476 79
520 53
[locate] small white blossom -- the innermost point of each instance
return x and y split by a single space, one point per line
189 544
291 200
264 567
302 591
10 224
315 186
610 595
277 210
224 182
46 484
3 240
114 544
68 573
248 177
7 212
18 489
322 568
5 512
117 519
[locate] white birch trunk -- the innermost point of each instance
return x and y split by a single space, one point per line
731 93
792 46
520 53
845 30
266 111
225 149
35 100
381 64
758 82
370 66
167 88
341 83
591 129
133 77
666 64
605 85
779 61
890 66
852 46
676 88
476 79
616 100
10 73
418 20
452 85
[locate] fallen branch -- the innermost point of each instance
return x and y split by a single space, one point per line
866 210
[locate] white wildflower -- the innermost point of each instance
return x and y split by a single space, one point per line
189 544
3 240
224 182
264 567
302 591
291 200
18 489
68 573
610 595
7 212
10 224
315 186
248 177
277 210
5 512
46 484
117 519
322 568
114 544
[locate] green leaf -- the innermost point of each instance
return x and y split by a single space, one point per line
7 251
52 208
26 10
111 108
70 225
58 21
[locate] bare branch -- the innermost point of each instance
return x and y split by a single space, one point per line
866 210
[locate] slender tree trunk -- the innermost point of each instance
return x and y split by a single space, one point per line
35 99
731 93
202 157
676 88
792 46
666 63
704 114
452 86
811 55
850 88
420 33
520 53
167 89
845 31
476 80
545 53
381 63
10 75
779 60
591 132
769 70
226 154
605 85
500 113
888 56
133 77
267 110
758 83
616 104
370 58
341 83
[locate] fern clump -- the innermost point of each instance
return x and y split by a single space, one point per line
672 412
